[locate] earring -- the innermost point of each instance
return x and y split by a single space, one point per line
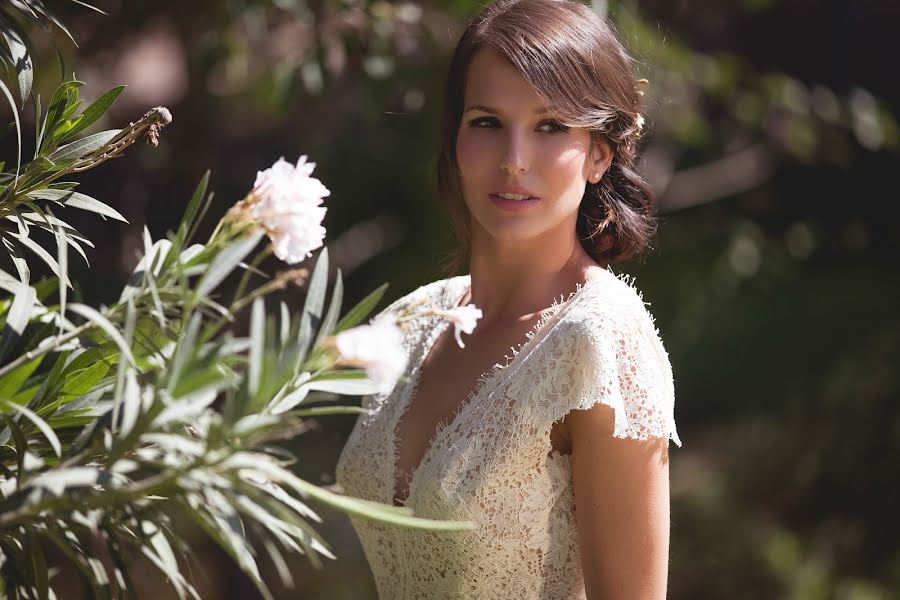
595 177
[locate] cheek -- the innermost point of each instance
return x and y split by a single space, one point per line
567 166
469 153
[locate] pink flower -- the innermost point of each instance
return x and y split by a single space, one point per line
377 347
289 207
463 318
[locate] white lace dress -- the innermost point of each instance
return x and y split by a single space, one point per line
493 462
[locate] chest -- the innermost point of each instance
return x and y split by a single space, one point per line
449 378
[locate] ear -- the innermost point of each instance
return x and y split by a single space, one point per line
600 159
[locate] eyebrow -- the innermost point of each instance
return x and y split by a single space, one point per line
494 111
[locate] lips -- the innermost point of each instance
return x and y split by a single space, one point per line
513 205
515 193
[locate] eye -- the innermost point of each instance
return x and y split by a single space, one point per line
553 127
484 123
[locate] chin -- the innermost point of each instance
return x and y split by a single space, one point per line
512 229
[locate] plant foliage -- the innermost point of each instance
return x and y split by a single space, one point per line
120 423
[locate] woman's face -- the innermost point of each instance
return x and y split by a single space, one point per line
510 142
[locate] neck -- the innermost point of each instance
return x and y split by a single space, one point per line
512 280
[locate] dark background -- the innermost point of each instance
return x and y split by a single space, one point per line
772 145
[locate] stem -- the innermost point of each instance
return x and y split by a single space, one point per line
149 486
245 278
213 330
125 138
32 354
60 340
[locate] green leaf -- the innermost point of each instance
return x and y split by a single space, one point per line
347 383
103 323
86 5
12 382
359 312
257 346
96 110
77 200
82 359
190 406
37 124
21 443
186 347
57 481
42 254
122 394
130 402
284 572
84 146
15 111
38 422
160 553
321 411
190 214
69 545
315 302
22 61
226 262
58 103
228 534
63 260
17 319
148 266
65 124
81 382
284 323
334 310
38 567
19 261
268 469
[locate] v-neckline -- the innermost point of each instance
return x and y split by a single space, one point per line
482 382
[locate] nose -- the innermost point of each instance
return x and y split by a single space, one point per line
515 156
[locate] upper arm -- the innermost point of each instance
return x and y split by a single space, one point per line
622 507
620 420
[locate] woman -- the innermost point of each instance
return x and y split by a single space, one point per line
558 453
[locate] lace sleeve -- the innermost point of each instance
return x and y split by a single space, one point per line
621 362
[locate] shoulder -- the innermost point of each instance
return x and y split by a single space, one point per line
611 305
619 359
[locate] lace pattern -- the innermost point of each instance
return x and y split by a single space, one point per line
492 462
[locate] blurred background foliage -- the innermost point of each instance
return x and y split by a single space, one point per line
773 146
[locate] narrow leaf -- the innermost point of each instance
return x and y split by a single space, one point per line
38 422
315 301
77 200
334 309
21 443
103 323
84 146
96 110
15 112
42 254
22 60
58 103
190 213
63 260
12 382
359 312
17 319
257 346
226 262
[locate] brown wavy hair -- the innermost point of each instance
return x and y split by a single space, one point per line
575 61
